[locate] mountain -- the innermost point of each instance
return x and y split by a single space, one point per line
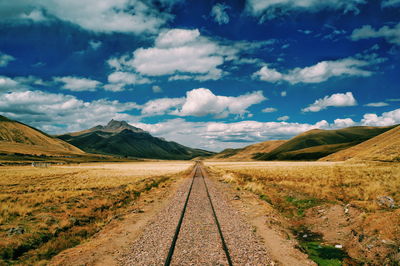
112 127
16 137
384 147
247 153
120 138
318 143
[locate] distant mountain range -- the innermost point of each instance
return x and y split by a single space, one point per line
16 137
121 139
317 143
247 153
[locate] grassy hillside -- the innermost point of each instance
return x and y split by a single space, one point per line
16 137
384 147
318 143
133 142
247 153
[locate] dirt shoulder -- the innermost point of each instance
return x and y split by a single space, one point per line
271 226
114 239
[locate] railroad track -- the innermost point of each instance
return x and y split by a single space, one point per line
198 173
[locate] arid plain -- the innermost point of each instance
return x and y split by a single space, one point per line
306 207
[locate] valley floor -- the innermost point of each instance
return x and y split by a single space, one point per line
126 213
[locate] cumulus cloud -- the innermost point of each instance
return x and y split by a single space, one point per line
95 44
269 110
346 122
203 102
218 12
391 35
126 16
5 59
376 104
386 119
58 113
118 80
180 54
156 89
317 73
269 9
218 135
162 106
77 83
283 118
334 100
7 84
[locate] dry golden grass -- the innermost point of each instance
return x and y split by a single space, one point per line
359 184
46 210
384 147
247 153
18 138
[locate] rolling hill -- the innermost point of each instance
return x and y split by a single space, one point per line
16 137
120 138
384 147
247 153
318 143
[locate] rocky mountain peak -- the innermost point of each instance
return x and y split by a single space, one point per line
115 125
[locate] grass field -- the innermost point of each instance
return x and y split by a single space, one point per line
339 200
359 184
46 210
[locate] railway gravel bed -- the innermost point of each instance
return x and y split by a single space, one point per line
199 242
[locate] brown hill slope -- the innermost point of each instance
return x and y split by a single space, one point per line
247 153
16 137
384 147
318 143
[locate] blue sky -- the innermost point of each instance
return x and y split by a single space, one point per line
207 74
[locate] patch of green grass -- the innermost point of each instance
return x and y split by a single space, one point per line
265 198
303 204
323 254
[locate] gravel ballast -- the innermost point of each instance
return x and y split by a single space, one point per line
198 242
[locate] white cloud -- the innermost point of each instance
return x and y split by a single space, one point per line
107 16
203 102
95 44
59 112
386 119
283 93
377 104
77 83
118 80
218 12
180 54
8 84
36 15
390 3
5 59
156 89
269 110
162 106
283 118
317 73
346 122
269 9
334 100
218 135
391 35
